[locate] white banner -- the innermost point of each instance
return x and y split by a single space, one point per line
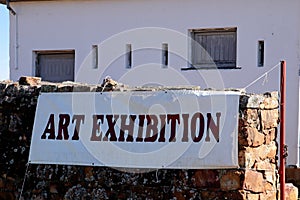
161 129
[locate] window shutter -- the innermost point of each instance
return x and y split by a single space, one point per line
214 47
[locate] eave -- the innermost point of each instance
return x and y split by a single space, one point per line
4 1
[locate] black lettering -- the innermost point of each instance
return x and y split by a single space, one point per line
97 119
185 137
152 122
127 127
63 124
111 128
173 119
50 128
193 127
77 119
162 129
141 128
213 127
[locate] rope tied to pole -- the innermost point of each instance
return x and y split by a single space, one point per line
264 75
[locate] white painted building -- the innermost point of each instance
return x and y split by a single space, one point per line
141 42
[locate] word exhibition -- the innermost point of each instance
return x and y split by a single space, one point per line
150 128
137 129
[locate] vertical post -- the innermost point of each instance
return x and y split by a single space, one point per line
282 129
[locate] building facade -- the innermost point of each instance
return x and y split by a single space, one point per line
214 44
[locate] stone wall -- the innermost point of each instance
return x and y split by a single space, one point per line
257 177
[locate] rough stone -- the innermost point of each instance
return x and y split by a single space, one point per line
251 101
4 84
247 157
65 87
93 88
270 103
251 196
250 118
205 194
236 195
264 165
270 177
28 80
81 88
17 109
252 137
256 137
7 195
74 87
268 186
266 151
291 192
253 181
261 158
48 87
270 135
231 181
206 178
12 89
53 189
179 196
269 119
268 195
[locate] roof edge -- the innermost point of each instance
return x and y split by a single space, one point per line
4 1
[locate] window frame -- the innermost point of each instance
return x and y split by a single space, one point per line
165 55
128 56
95 56
261 53
212 31
36 62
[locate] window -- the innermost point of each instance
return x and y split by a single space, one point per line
260 53
165 53
128 56
95 56
213 48
55 66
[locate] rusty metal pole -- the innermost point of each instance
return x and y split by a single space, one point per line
282 129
